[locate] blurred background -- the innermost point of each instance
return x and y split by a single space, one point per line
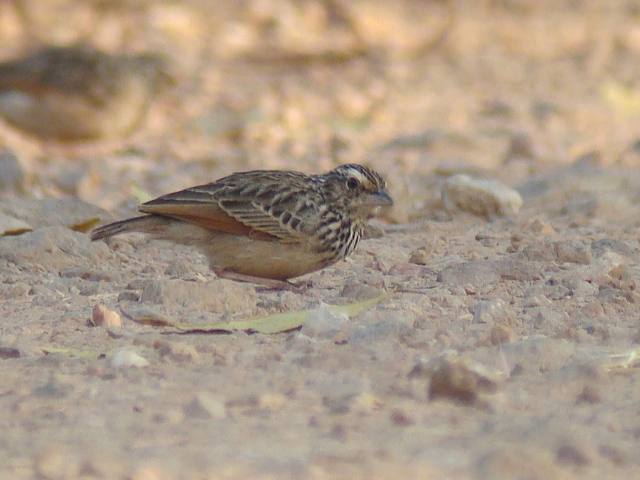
419 89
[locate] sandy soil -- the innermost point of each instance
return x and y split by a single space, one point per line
505 347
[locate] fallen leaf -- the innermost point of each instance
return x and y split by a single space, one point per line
266 324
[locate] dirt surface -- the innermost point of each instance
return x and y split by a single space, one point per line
507 343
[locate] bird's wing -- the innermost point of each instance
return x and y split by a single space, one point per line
262 210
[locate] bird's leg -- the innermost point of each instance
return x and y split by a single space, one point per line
269 283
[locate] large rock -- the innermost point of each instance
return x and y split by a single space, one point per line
213 296
482 197
69 212
53 248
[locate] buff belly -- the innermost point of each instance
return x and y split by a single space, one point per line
248 256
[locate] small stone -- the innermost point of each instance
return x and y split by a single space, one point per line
521 146
491 311
486 198
400 418
420 256
128 296
204 406
540 227
14 290
590 395
147 473
125 358
475 273
501 334
9 352
177 351
569 454
366 402
573 251
54 464
324 323
517 463
462 381
272 401
101 316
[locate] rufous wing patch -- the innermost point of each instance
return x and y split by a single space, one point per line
208 216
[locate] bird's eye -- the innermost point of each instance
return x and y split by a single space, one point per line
352 183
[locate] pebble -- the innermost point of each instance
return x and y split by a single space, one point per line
573 251
491 311
512 462
478 273
147 472
177 351
570 454
128 296
14 291
204 406
501 334
323 323
218 296
53 464
101 316
125 358
9 352
459 380
481 197
420 256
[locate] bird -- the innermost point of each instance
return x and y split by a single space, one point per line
77 93
266 226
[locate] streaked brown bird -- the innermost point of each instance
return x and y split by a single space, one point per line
266 226
78 93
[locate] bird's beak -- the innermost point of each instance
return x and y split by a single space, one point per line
378 199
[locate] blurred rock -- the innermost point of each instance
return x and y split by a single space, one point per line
125 358
481 197
476 273
11 173
69 212
521 147
54 464
9 352
53 248
213 296
101 316
573 251
491 311
459 380
78 93
511 463
205 407
420 256
323 323
500 334
179 352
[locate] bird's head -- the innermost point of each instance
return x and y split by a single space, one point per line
357 189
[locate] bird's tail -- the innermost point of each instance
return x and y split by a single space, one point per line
144 223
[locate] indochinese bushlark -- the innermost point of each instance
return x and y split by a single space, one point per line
266 226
